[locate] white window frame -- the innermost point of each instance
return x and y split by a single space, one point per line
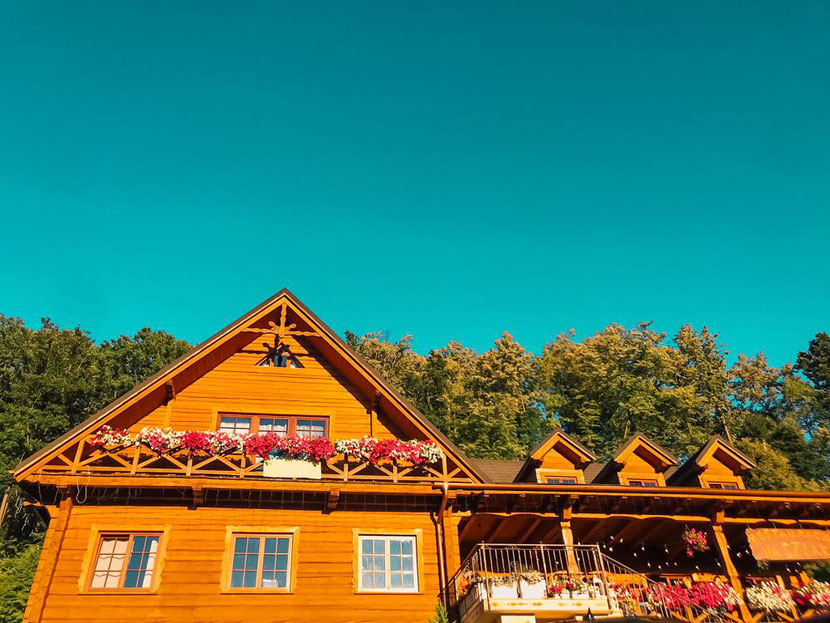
388 538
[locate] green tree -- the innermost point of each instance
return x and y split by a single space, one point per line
16 576
621 381
814 363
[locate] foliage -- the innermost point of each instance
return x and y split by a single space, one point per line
601 390
16 575
50 380
441 615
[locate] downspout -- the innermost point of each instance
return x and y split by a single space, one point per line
439 526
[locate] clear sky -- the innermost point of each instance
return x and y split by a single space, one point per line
446 169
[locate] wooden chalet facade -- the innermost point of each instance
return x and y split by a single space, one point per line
143 526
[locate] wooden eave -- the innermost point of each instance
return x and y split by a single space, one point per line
157 383
623 491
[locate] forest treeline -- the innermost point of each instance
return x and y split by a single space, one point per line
499 403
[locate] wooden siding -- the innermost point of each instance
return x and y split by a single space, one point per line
237 384
190 581
637 468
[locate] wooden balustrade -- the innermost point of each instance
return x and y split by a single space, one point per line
141 461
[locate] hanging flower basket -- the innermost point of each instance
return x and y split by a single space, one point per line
695 541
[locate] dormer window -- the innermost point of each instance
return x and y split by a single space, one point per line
560 480
643 482
723 485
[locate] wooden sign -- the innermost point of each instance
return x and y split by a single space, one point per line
789 544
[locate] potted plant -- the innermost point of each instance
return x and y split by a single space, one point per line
532 584
504 587
813 595
577 589
556 590
768 597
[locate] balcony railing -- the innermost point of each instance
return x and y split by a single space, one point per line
140 461
557 581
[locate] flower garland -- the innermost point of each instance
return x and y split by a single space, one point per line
768 597
109 437
813 595
269 445
672 597
714 598
710 596
695 541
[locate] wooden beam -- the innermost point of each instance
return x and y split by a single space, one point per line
332 497
48 562
722 549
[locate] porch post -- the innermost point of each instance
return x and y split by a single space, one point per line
568 539
722 547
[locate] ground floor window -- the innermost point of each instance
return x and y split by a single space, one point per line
388 563
261 561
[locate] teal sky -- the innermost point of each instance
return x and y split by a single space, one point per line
446 169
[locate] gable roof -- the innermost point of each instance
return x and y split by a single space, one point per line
499 471
282 298
697 462
636 441
545 446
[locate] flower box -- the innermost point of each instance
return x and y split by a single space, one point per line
535 590
504 591
291 468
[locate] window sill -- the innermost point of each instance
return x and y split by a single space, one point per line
119 591
256 591
403 592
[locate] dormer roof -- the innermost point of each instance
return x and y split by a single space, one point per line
717 449
650 451
562 443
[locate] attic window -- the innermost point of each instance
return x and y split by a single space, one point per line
723 485
560 480
642 483
279 359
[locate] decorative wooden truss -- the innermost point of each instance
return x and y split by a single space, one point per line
141 461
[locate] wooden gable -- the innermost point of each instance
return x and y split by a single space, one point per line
717 465
640 462
225 375
558 459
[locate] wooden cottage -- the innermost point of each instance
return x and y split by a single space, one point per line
271 475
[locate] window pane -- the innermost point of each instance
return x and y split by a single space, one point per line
311 428
407 546
277 425
110 562
235 424
141 563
